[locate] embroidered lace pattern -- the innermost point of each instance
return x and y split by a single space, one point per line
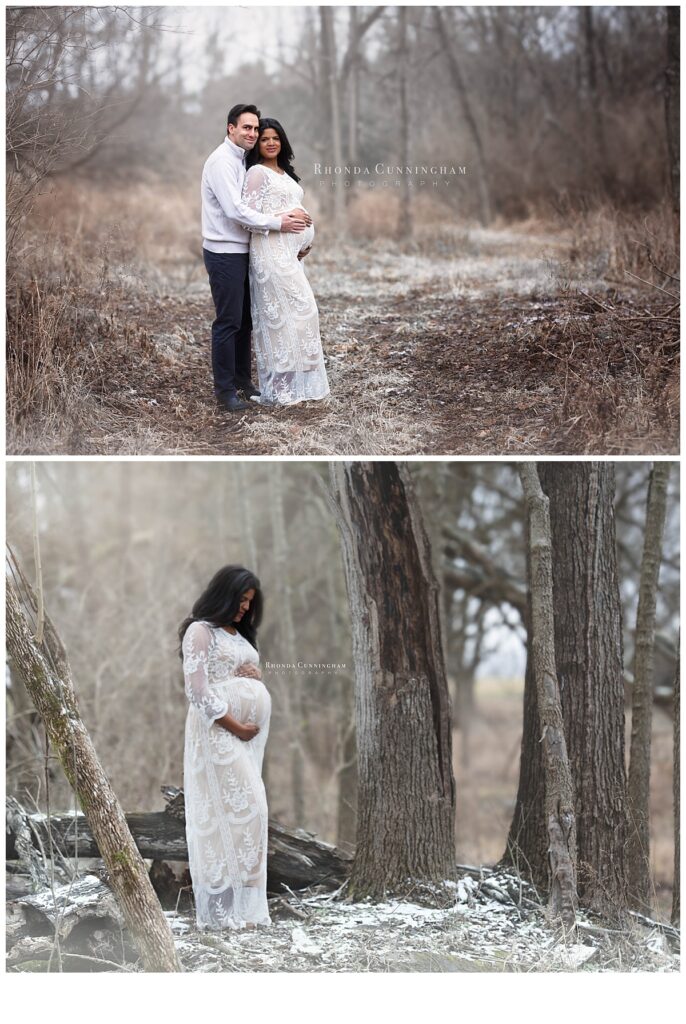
288 348
226 803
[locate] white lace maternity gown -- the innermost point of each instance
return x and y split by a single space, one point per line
226 803
288 347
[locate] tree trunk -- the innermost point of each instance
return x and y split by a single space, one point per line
353 95
558 787
527 846
49 683
589 663
457 80
246 516
595 108
328 53
590 668
406 798
347 770
642 692
291 686
672 108
346 745
405 210
676 786
350 72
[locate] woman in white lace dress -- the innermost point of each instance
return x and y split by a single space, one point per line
288 347
226 733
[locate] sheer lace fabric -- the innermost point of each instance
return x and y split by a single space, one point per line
226 803
286 339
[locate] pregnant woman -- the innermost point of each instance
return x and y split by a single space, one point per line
288 348
226 733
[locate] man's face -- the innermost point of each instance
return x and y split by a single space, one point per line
244 134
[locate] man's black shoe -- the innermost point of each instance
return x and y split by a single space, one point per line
249 390
232 403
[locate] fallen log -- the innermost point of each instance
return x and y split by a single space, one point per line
157 835
62 910
296 858
73 927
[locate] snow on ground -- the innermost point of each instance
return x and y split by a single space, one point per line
480 927
475 264
486 921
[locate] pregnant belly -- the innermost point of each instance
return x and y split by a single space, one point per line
253 700
305 238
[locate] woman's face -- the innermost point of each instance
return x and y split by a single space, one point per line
244 605
270 144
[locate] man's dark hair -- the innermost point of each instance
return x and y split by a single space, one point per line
241 108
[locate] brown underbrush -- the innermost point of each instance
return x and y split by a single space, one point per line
533 337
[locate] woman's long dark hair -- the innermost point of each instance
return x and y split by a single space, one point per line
220 602
285 156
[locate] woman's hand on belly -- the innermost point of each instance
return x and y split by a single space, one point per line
245 731
249 670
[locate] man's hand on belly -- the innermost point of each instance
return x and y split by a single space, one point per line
295 221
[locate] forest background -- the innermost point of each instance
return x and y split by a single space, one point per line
127 548
529 304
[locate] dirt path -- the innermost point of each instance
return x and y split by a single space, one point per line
496 344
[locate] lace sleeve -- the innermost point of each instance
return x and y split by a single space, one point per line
195 647
255 189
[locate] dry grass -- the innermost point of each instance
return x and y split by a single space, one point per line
512 340
627 243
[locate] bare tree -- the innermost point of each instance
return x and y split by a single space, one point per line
481 577
406 798
443 29
527 841
676 786
351 71
330 76
346 821
60 111
291 691
642 691
672 92
558 786
590 667
595 103
353 88
589 663
405 209
45 671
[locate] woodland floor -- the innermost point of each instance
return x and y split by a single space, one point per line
484 922
498 342
488 921
486 926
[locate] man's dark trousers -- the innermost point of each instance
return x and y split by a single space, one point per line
228 273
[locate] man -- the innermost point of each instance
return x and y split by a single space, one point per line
226 240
